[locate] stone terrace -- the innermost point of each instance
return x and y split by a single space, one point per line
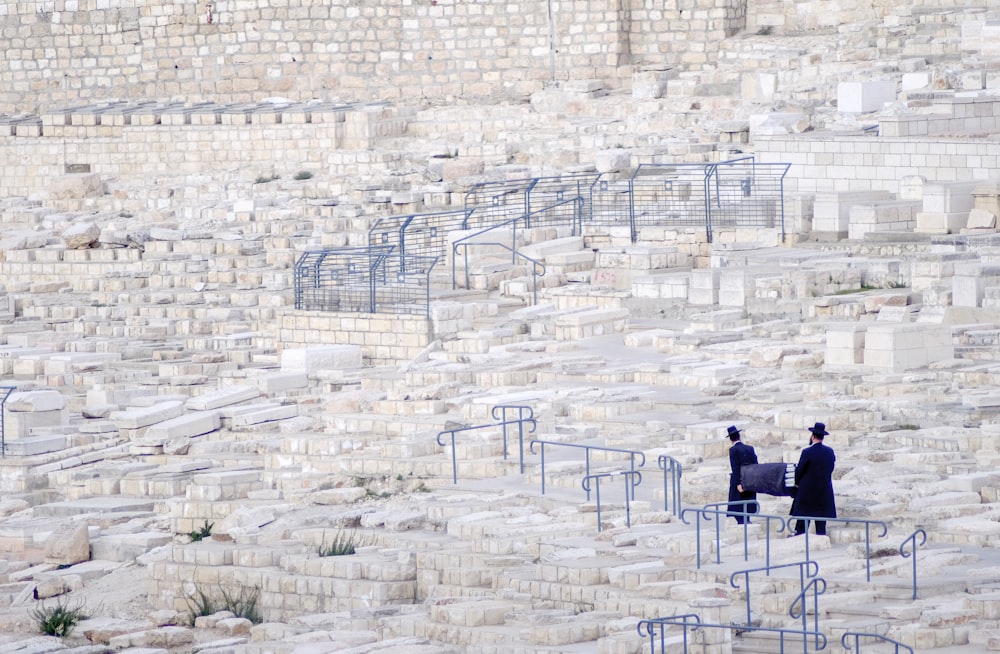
179 439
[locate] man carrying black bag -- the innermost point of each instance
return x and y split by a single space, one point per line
740 455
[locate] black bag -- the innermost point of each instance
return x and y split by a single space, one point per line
769 478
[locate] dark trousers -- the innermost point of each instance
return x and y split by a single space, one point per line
800 527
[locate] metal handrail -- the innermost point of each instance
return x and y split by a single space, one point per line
3 420
454 458
868 525
672 470
807 570
649 627
537 267
512 222
912 538
800 601
857 635
587 448
710 510
524 414
630 475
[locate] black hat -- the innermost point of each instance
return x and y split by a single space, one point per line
819 430
734 433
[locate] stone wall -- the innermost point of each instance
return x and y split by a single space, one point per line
384 339
867 163
70 52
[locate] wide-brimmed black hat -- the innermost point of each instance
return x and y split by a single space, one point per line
819 430
734 433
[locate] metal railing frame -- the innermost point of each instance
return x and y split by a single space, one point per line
3 419
912 539
672 470
454 457
857 636
710 179
529 188
691 620
587 450
800 602
633 476
710 510
807 570
525 414
868 541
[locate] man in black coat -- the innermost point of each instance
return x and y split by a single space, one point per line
740 455
814 482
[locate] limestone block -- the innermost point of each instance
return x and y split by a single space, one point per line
952 197
911 187
68 544
222 397
20 424
864 97
35 401
612 161
81 235
941 223
266 414
778 123
703 287
191 424
981 219
900 347
325 357
137 417
916 80
76 186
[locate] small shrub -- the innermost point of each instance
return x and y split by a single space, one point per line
422 488
342 545
303 174
58 619
203 532
243 604
264 179
200 604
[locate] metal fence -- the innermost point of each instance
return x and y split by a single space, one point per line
543 201
421 234
365 280
395 267
736 193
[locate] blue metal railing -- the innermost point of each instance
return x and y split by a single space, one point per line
525 416
3 419
912 540
807 570
711 510
632 479
588 449
520 422
867 523
856 636
672 469
657 627
798 610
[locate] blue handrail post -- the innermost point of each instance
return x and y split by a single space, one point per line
902 551
3 420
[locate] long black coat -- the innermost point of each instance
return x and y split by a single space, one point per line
814 479
740 455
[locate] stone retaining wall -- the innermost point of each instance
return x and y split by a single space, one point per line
65 52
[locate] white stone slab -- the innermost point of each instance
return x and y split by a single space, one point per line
191 424
864 97
222 397
326 357
279 412
137 417
35 401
